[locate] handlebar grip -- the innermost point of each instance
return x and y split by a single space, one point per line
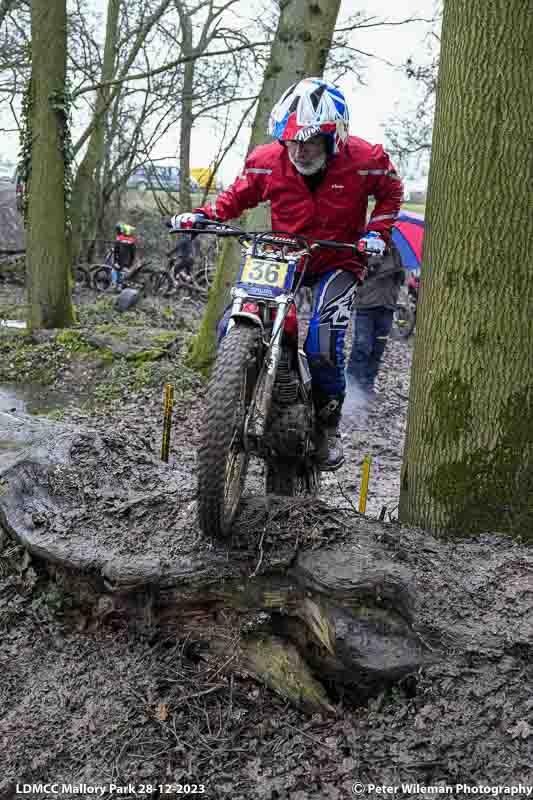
337 245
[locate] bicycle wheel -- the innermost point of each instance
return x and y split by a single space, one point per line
403 322
81 277
101 278
159 283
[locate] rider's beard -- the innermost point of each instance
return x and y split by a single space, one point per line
309 167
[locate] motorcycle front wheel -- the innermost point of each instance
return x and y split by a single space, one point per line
222 459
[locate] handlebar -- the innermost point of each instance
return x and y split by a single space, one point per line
279 238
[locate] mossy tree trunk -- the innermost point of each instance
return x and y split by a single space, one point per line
84 194
48 240
300 48
468 462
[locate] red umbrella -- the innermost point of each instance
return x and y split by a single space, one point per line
408 236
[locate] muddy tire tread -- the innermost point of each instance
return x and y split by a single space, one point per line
285 477
238 350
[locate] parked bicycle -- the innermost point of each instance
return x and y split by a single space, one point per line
81 276
109 275
404 320
191 263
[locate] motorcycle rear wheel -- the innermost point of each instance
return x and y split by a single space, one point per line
292 480
222 459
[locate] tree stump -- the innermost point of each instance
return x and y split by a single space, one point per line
318 602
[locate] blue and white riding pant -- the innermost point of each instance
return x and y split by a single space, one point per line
333 297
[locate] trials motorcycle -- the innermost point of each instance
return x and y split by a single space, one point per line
259 399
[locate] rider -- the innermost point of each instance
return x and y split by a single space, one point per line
123 252
318 180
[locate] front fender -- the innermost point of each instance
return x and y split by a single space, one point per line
247 316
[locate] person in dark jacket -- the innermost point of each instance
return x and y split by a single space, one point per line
318 180
372 319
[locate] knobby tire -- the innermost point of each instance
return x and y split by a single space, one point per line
101 278
81 277
160 283
291 477
221 447
291 480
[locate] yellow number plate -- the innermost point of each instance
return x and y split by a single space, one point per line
264 273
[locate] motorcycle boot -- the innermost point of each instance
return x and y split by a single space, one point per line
329 450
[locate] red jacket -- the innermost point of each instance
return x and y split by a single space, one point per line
336 210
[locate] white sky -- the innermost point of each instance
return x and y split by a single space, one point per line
387 91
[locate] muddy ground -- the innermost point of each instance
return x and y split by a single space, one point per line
84 701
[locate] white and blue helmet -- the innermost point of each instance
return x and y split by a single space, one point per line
309 108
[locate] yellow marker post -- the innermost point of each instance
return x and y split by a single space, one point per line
167 420
367 460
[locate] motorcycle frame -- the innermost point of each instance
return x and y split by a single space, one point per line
261 402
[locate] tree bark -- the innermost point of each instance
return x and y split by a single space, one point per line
186 114
300 47
84 191
48 241
468 462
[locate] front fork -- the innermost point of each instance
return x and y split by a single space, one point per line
262 398
265 385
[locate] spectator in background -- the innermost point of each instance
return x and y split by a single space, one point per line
372 320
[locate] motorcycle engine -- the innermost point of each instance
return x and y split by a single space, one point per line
290 425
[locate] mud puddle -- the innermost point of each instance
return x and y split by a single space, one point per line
31 398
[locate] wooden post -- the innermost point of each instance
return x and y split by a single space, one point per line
167 420
364 484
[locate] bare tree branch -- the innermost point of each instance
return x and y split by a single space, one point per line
5 8
381 23
170 66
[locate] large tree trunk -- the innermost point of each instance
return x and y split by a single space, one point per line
48 242
300 47
468 463
84 200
